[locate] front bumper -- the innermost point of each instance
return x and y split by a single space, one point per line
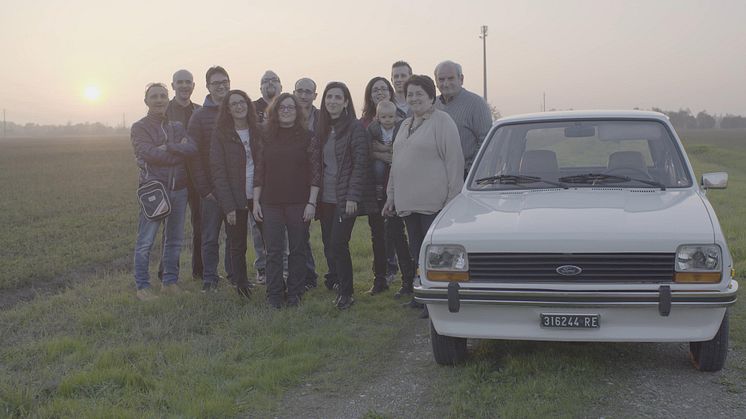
650 316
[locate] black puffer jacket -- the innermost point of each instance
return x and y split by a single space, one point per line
228 167
354 180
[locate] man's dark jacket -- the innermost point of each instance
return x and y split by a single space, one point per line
201 126
147 135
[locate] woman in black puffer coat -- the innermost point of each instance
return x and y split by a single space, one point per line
347 189
233 145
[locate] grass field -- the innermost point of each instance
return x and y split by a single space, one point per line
92 350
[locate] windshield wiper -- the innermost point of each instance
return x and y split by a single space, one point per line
517 180
601 178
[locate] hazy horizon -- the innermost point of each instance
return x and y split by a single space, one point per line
583 54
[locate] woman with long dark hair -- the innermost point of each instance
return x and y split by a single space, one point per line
286 186
377 90
232 150
346 189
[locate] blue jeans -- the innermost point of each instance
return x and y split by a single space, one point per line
212 219
173 237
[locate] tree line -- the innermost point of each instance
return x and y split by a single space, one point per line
685 119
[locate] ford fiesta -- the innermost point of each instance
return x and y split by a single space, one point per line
580 226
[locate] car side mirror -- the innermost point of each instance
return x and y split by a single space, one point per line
716 180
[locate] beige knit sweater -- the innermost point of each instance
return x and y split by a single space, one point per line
427 169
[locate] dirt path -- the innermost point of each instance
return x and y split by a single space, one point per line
399 389
665 385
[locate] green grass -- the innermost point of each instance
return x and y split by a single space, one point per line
94 351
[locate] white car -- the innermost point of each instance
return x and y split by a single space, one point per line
580 226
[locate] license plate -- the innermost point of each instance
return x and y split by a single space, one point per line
569 321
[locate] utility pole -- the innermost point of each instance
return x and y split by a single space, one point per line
484 55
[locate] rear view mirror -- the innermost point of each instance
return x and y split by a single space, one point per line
716 180
580 131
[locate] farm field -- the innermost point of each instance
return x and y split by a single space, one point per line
75 342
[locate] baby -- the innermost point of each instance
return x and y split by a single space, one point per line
383 131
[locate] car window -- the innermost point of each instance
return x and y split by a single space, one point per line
614 153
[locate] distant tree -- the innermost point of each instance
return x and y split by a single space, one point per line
705 120
733 122
495 112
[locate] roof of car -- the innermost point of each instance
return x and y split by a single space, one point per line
596 114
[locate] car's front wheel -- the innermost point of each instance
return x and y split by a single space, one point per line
447 350
710 355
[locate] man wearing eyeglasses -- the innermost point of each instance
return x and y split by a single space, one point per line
305 92
200 128
271 87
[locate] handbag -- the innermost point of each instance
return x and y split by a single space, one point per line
153 197
154 200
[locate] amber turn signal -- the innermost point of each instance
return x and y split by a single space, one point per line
697 277
447 276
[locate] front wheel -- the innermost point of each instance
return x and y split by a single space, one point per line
710 355
447 350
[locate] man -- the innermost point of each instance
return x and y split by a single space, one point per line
401 71
161 149
200 130
180 109
305 92
270 87
468 110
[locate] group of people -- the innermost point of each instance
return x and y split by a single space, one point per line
272 166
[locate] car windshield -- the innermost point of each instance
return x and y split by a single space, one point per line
577 154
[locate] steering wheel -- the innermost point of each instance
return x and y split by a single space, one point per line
629 171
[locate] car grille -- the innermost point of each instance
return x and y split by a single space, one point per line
596 267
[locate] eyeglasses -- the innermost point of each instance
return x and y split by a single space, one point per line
288 108
237 104
217 83
272 80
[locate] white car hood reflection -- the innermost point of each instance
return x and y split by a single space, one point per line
577 220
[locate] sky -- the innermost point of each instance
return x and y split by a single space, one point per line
583 54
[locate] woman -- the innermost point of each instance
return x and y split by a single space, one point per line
232 150
286 186
161 148
427 167
346 189
378 89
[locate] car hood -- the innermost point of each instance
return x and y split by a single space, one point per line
575 221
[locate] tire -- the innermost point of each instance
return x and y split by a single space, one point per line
710 355
447 350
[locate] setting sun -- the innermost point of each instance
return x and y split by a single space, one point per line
92 93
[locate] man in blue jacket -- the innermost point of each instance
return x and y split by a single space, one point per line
161 148
201 126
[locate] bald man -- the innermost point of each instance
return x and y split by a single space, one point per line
180 109
271 87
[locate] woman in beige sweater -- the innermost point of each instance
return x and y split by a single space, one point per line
427 167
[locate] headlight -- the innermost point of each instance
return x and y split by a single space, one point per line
447 262
698 263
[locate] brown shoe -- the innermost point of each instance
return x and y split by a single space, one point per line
171 289
146 294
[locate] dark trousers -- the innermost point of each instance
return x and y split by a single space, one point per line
237 236
378 239
396 239
277 220
212 219
336 230
417 226
311 276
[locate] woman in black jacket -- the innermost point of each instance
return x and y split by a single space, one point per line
286 185
232 152
346 189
